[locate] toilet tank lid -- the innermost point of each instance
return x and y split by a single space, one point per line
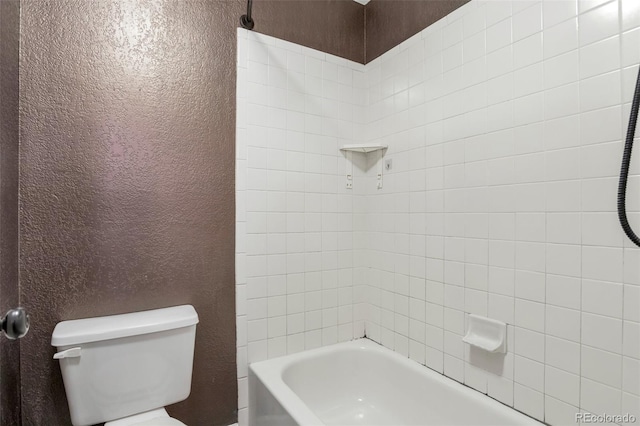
75 332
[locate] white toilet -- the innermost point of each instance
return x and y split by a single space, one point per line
124 369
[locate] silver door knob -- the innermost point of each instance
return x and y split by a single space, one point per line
15 324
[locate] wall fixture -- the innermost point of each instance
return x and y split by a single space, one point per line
245 20
366 149
486 333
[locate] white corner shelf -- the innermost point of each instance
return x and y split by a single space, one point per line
366 148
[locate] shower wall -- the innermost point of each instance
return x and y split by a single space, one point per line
504 122
294 275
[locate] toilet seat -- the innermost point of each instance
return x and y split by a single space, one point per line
161 421
158 417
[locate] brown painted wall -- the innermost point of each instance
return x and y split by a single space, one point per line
390 22
9 131
127 173
332 26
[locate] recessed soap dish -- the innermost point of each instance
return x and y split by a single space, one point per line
486 333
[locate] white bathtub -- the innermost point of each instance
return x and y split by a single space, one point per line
363 383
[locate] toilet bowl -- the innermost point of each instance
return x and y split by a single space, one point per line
124 369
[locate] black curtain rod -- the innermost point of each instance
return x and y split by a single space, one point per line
245 20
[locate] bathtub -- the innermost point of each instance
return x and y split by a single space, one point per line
363 383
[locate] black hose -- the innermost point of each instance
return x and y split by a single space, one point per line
245 20
624 170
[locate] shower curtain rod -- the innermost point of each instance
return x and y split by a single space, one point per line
245 20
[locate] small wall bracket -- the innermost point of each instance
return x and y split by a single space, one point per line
380 170
349 170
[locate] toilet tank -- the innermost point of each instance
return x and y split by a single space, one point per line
120 365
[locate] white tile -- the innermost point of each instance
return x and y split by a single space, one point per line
527 51
527 22
529 344
598 398
562 69
593 131
474 21
602 263
598 23
558 412
501 389
555 12
454 368
603 298
561 38
528 80
562 101
631 339
563 323
561 165
631 375
563 228
602 160
562 133
631 272
631 306
562 354
600 58
563 291
630 51
528 401
585 5
497 11
529 373
630 404
499 35
474 47
601 366
562 385
602 332
600 92
630 14
530 286
500 62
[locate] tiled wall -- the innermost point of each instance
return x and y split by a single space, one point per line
504 123
294 248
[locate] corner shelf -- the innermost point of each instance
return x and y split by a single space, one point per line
366 149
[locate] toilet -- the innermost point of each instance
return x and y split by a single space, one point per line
124 369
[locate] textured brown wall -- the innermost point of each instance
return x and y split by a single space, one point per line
127 173
332 26
390 22
9 131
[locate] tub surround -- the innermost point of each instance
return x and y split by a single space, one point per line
503 122
294 236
